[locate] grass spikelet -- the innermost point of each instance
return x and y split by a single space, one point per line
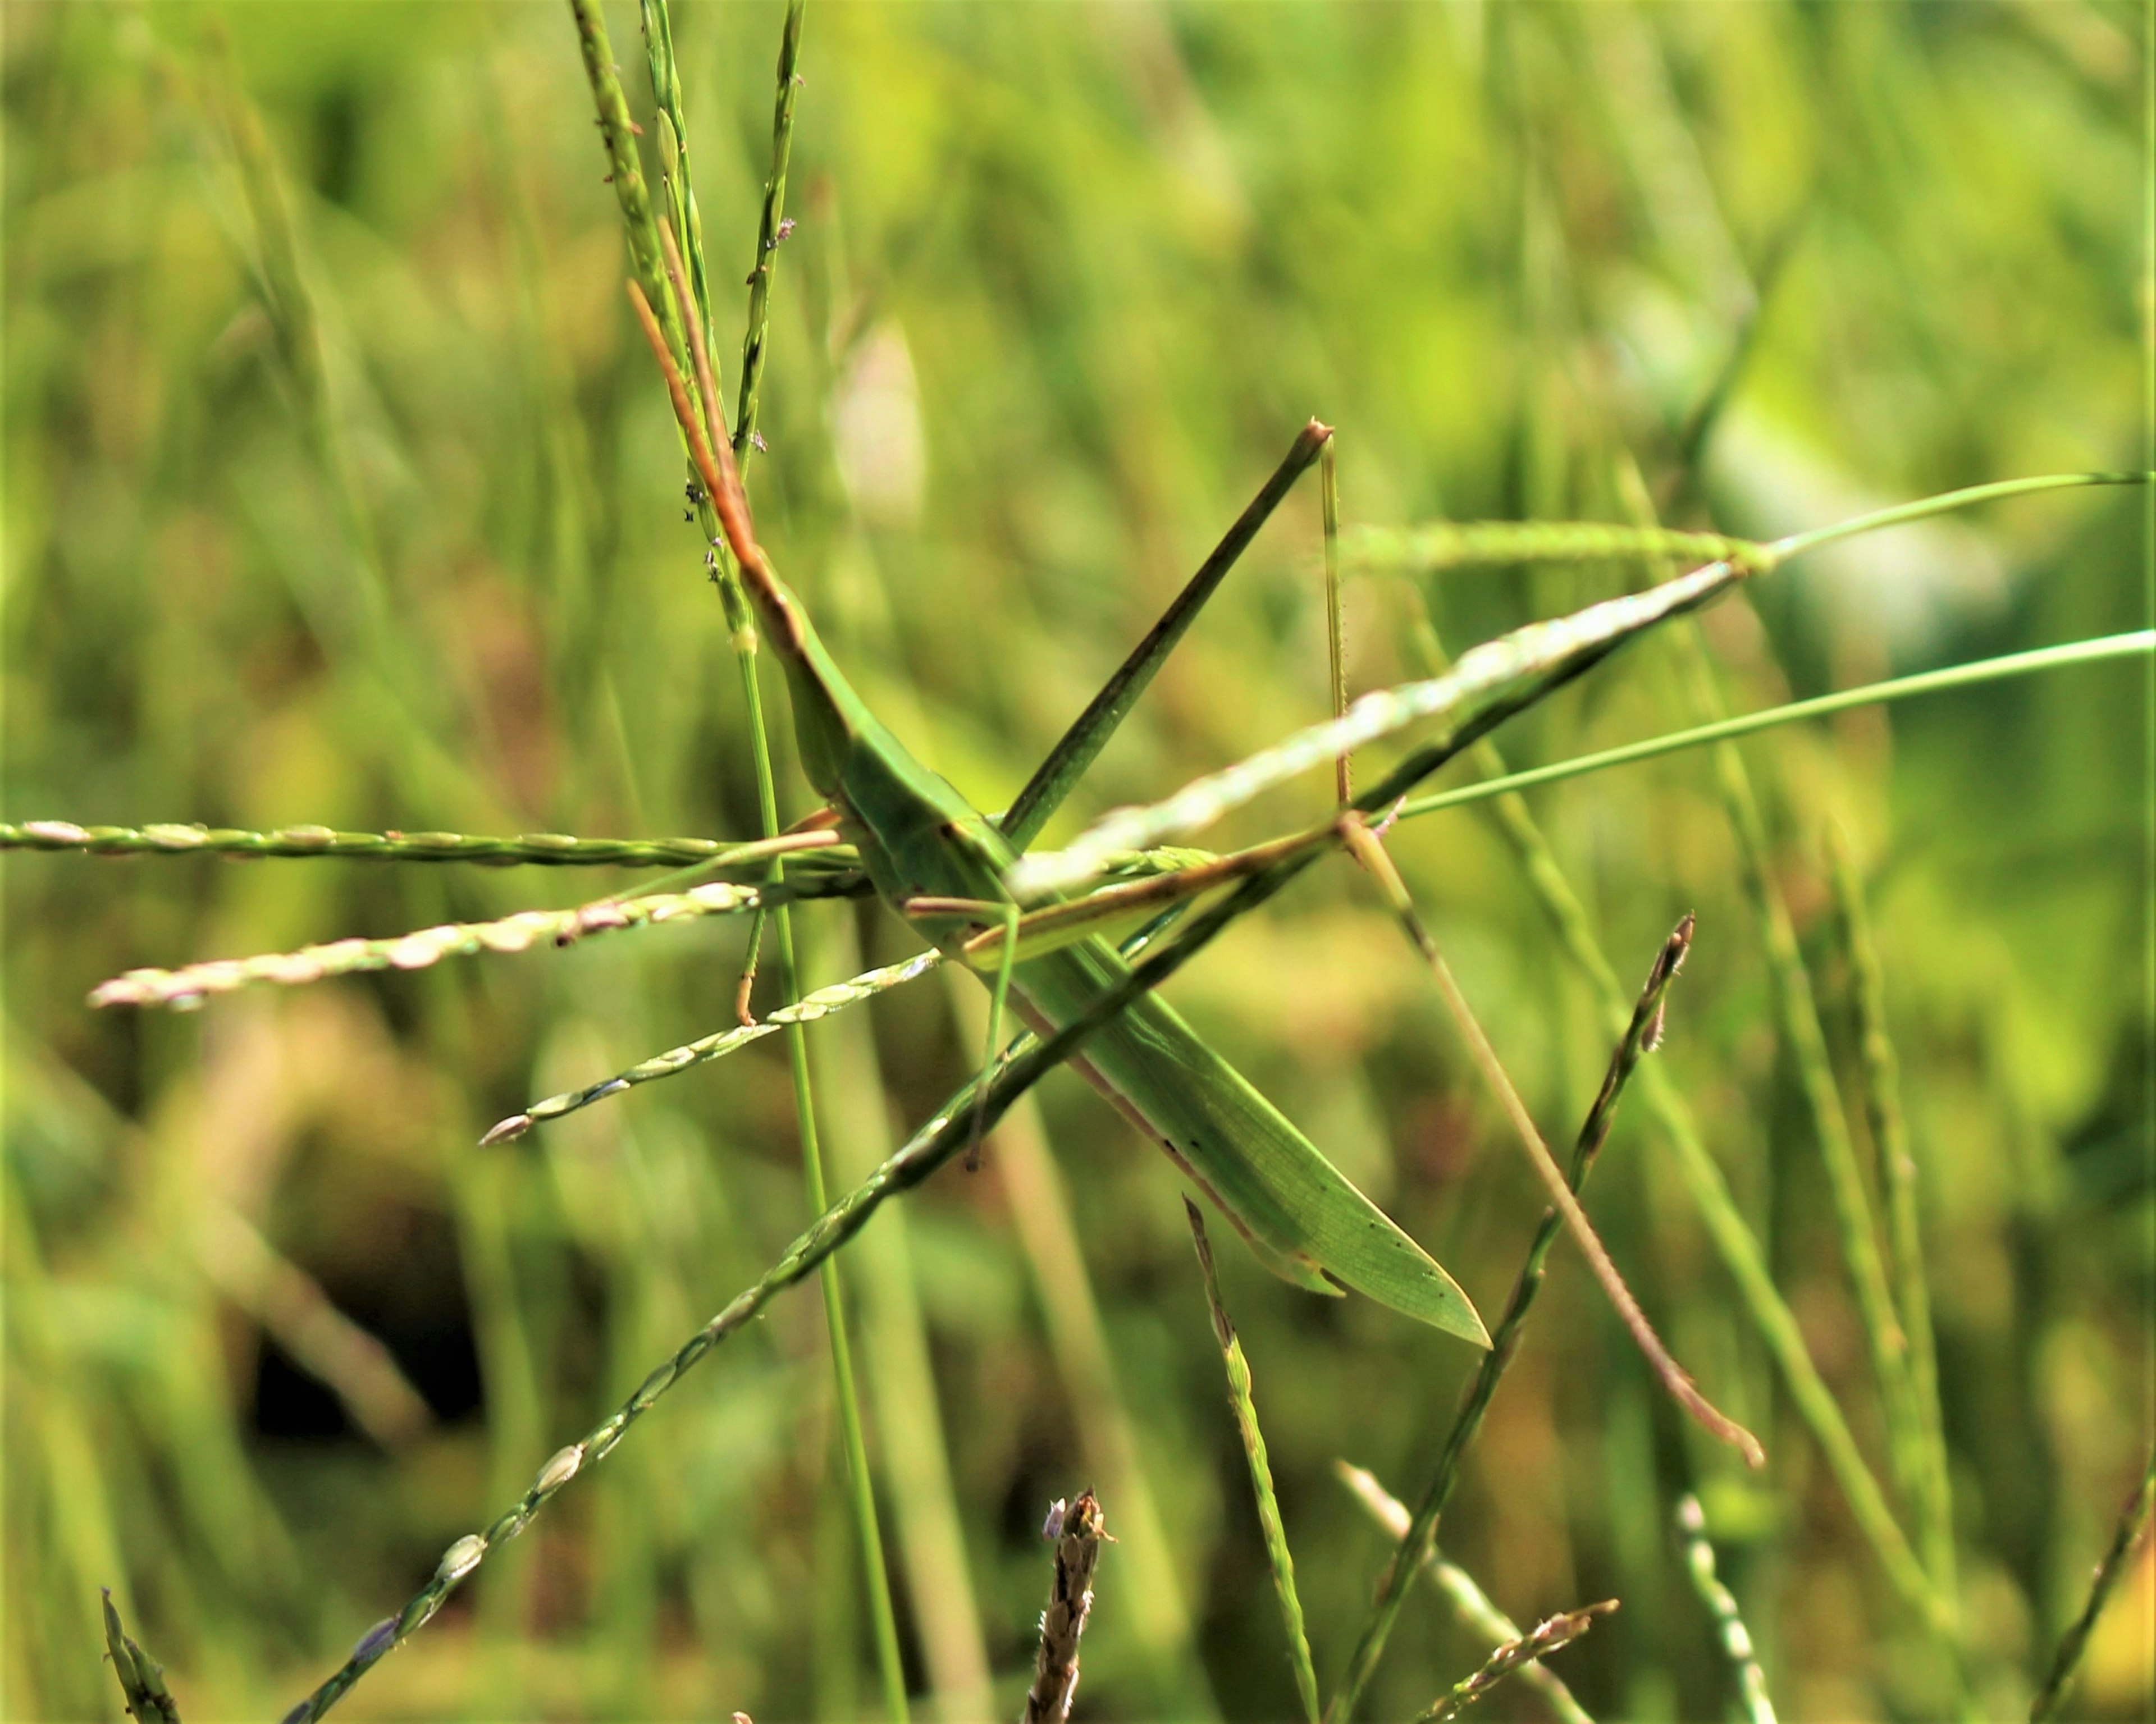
1418 1539
1078 1531
1241 1399
1551 1635
1722 1604
2133 1519
1470 1604
141 1677
543 849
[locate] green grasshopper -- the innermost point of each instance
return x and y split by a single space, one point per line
939 863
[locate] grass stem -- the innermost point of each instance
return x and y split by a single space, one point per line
1926 1476
2133 1518
1242 1400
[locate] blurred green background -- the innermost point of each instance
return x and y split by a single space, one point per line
1065 282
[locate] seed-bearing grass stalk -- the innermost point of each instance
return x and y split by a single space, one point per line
807 1009
1078 1531
673 150
2133 1519
187 985
1933 1490
1241 1400
1470 1604
1549 1636
771 230
1722 1604
1497 544
1418 1540
544 850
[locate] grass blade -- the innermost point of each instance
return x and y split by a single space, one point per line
1722 1604
1089 733
1925 1475
1470 1604
2138 642
2133 1522
1078 1532
1419 1537
1241 1399
1549 1636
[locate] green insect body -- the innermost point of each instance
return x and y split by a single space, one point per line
919 838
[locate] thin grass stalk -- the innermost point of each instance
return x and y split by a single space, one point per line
915 1454
2133 1522
2139 643
1418 1540
772 228
1336 628
1470 1604
544 850
1731 1234
1722 1605
1501 544
1551 1635
1933 1486
1079 1532
1242 1400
